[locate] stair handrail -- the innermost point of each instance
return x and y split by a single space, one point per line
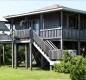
41 43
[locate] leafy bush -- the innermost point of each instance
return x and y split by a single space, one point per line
64 66
78 70
68 62
78 73
59 67
76 66
66 57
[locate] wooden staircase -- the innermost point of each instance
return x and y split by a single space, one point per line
47 49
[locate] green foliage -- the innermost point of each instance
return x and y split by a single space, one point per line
78 71
8 53
8 57
66 57
64 66
21 54
76 66
58 67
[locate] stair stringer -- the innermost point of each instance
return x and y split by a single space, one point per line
43 53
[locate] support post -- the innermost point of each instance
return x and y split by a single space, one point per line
79 47
79 34
42 61
27 55
30 44
15 54
3 54
50 67
61 31
12 55
11 27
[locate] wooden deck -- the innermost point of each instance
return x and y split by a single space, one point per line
4 38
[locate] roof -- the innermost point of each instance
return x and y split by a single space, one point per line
3 27
2 19
47 9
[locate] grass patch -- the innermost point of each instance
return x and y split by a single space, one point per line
8 73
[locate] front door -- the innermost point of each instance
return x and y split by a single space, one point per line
36 26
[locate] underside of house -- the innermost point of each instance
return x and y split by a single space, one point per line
46 34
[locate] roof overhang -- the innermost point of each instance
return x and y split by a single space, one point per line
46 10
31 13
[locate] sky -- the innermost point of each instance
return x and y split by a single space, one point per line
12 7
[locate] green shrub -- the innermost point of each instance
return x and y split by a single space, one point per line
59 67
78 72
66 57
74 65
78 69
64 66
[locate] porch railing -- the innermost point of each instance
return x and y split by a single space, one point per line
53 33
67 33
22 34
4 37
83 34
50 33
56 54
71 34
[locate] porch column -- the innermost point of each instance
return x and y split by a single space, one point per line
61 31
27 55
3 54
41 23
15 54
30 45
79 34
11 27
